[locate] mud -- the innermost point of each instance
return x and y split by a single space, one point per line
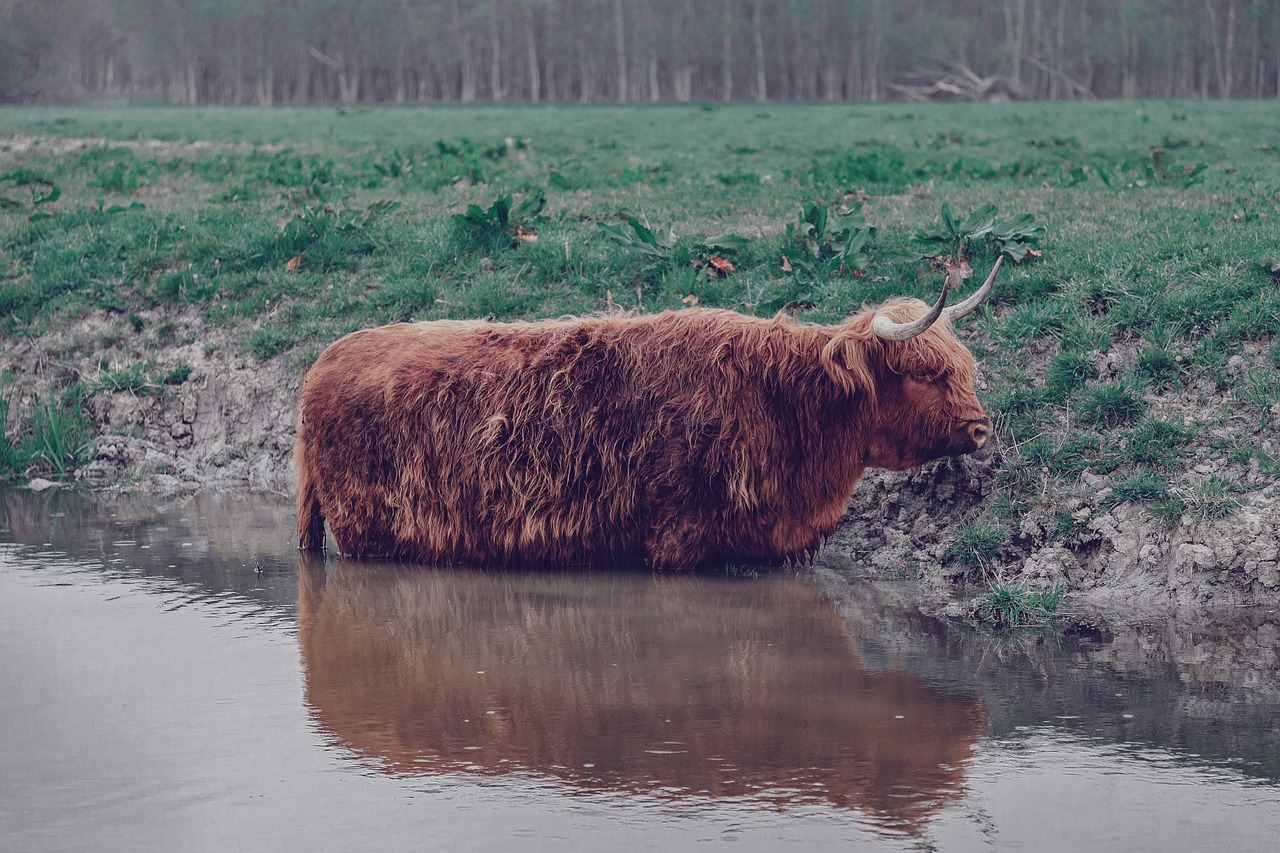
1122 560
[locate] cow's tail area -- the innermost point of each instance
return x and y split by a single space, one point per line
310 518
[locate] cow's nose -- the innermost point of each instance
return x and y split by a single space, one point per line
979 432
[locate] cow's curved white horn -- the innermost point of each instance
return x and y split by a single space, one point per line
955 312
891 331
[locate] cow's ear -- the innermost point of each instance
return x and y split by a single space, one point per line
845 360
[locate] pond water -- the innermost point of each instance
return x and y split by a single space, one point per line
181 679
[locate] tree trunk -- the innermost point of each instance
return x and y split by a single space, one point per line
682 83
757 38
620 49
1228 81
496 89
726 57
531 43
467 69
873 80
586 73
1015 25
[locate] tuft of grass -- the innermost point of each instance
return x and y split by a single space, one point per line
61 435
1154 443
1258 391
1150 488
977 543
1066 372
1215 497
1085 331
1162 367
178 375
11 459
1009 607
136 378
1032 321
1108 406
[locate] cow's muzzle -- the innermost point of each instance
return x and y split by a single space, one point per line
971 437
979 432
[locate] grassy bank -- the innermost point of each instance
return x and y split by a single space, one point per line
1137 354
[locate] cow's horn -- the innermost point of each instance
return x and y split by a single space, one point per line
955 312
891 331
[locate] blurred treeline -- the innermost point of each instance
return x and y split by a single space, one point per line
301 51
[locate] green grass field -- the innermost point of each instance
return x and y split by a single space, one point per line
1141 343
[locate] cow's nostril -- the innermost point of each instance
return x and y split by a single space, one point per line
979 432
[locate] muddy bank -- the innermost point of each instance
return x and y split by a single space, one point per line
1120 559
229 426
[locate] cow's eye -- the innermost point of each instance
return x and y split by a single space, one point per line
922 376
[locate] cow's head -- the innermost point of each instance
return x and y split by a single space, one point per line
903 360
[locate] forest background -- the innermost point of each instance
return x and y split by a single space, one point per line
306 51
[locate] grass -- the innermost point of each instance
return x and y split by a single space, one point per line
60 438
977 542
1149 487
1009 607
1111 405
281 229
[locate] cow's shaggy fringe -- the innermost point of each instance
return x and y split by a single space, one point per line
677 438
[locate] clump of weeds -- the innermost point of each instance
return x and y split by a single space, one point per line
1011 607
816 248
503 221
57 438
977 543
1015 236
40 190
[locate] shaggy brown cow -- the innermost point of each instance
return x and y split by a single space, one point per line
681 438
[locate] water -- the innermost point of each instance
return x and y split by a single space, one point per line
180 679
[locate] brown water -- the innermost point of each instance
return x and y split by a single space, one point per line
180 679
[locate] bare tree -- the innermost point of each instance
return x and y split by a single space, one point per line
300 51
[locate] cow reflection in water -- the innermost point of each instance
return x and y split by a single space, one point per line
668 685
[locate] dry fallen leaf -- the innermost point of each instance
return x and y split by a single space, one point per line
786 264
295 262
721 265
690 300
957 272
525 234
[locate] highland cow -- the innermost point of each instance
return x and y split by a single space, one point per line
682 438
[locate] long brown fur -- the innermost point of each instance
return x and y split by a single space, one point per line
680 438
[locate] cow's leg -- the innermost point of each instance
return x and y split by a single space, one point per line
310 516
310 527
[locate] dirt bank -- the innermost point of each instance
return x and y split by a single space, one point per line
229 425
1122 558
